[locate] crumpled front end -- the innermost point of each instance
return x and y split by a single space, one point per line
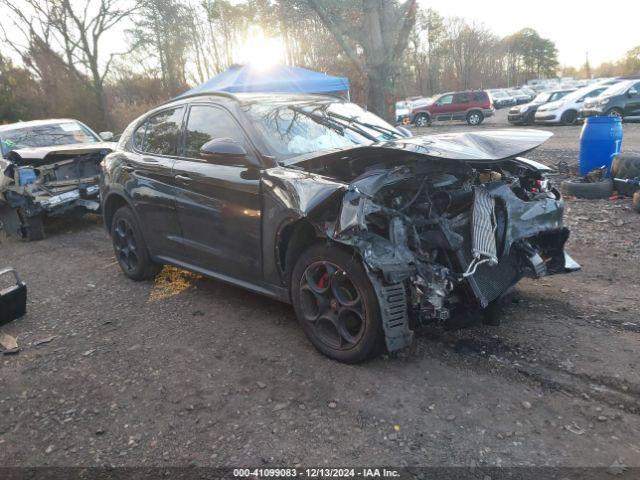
51 184
438 237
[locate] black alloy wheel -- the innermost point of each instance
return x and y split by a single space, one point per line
336 304
130 248
125 245
333 306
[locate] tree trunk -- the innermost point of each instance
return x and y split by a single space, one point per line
380 95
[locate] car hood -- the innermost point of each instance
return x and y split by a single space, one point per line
486 146
44 153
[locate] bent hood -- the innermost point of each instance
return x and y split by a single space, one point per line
44 154
485 146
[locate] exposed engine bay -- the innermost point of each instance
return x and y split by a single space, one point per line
53 181
442 237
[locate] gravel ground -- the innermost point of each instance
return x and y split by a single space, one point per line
190 371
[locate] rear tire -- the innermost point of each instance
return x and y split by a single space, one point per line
474 118
336 304
33 228
569 117
130 248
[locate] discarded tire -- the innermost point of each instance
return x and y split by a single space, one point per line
626 165
592 190
636 201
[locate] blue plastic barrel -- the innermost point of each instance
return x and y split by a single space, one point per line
600 140
26 176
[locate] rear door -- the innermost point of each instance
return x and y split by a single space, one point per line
150 184
461 103
218 204
632 108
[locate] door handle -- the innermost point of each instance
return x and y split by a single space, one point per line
182 178
128 168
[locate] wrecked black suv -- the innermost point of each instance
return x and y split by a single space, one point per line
311 200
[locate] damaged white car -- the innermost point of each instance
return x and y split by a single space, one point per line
48 167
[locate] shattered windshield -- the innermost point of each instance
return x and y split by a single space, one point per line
65 133
299 128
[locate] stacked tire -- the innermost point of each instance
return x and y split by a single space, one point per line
625 166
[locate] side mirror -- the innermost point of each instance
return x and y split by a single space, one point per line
632 92
224 151
106 136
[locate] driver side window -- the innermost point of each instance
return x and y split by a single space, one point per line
207 123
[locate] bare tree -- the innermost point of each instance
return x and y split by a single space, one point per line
373 34
77 29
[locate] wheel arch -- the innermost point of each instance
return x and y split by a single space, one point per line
293 237
111 204
423 113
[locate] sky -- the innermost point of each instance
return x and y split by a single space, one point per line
606 30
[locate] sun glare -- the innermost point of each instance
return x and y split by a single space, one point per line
262 52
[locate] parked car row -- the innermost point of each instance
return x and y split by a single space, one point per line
611 97
569 102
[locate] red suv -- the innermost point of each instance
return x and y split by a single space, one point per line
472 106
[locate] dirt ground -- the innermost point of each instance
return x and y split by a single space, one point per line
190 371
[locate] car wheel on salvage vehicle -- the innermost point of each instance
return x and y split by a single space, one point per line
336 304
569 117
33 228
422 121
474 118
592 190
129 247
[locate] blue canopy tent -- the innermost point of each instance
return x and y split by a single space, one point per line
280 79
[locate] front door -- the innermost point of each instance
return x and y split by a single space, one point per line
632 108
443 107
218 204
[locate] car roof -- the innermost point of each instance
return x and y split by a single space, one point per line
37 123
274 98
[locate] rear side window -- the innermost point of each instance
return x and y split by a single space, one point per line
207 123
479 96
161 132
461 98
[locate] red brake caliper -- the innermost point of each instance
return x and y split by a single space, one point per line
324 279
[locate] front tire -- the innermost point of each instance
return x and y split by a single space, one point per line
336 304
130 248
423 120
569 117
